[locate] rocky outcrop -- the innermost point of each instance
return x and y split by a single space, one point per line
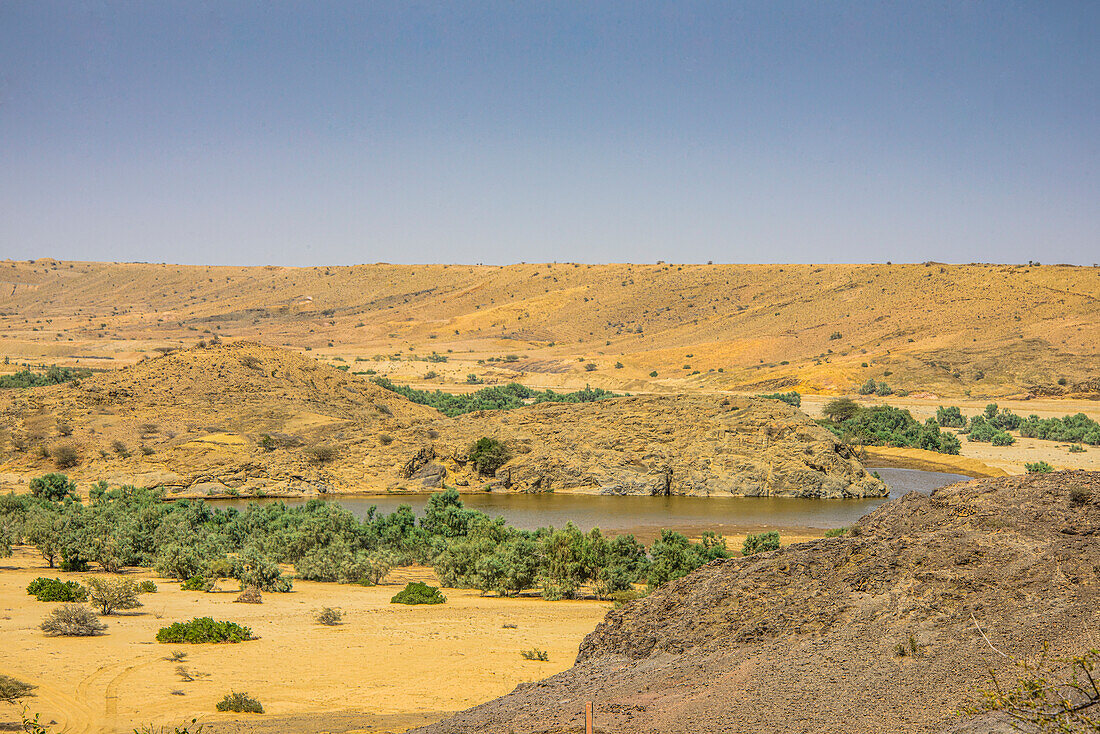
884 630
662 445
248 419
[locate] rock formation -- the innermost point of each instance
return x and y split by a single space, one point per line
884 630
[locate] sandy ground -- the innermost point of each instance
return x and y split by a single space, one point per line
1011 459
388 668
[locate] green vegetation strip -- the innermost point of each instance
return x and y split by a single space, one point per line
503 397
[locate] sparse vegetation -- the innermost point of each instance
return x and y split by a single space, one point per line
56 590
885 425
1079 495
503 397
535 654
13 689
417 592
487 455
53 375
836 532
790 398
72 620
240 703
203 630
760 542
147 586
111 595
322 454
330 616
250 595
1038 467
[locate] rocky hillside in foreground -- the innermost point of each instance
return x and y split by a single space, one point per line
244 418
980 330
810 638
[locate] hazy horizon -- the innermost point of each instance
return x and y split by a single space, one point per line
496 133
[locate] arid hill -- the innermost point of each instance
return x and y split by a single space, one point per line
874 632
953 330
245 418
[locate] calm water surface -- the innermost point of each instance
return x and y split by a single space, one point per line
646 516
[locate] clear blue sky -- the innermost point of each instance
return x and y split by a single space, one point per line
314 132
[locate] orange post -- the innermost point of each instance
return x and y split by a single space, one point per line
588 718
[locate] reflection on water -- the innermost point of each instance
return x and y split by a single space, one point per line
646 516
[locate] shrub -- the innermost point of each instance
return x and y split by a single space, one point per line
653 373
836 532
790 398
53 487
418 592
589 366
840 409
330 616
110 595
72 620
250 595
950 417
195 583
13 689
204 629
66 456
147 586
385 439
267 443
44 589
322 454
535 654
1038 467
240 703
760 542
1076 449
488 455
1079 495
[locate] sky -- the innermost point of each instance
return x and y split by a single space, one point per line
222 132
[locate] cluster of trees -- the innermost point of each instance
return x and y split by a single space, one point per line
790 398
885 425
500 397
993 425
875 388
54 375
192 542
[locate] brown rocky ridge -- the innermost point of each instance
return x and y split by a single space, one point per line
245 418
883 630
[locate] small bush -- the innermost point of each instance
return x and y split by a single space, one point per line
204 629
44 589
195 583
1038 467
250 595
1076 449
72 620
267 443
53 487
147 586
66 457
836 532
110 595
240 703
760 542
535 654
385 439
1079 495
13 689
418 593
322 454
330 616
488 455
653 373
590 367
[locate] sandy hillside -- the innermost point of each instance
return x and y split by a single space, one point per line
986 330
389 667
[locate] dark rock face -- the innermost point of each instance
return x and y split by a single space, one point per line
810 638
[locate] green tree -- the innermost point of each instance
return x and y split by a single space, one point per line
53 487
